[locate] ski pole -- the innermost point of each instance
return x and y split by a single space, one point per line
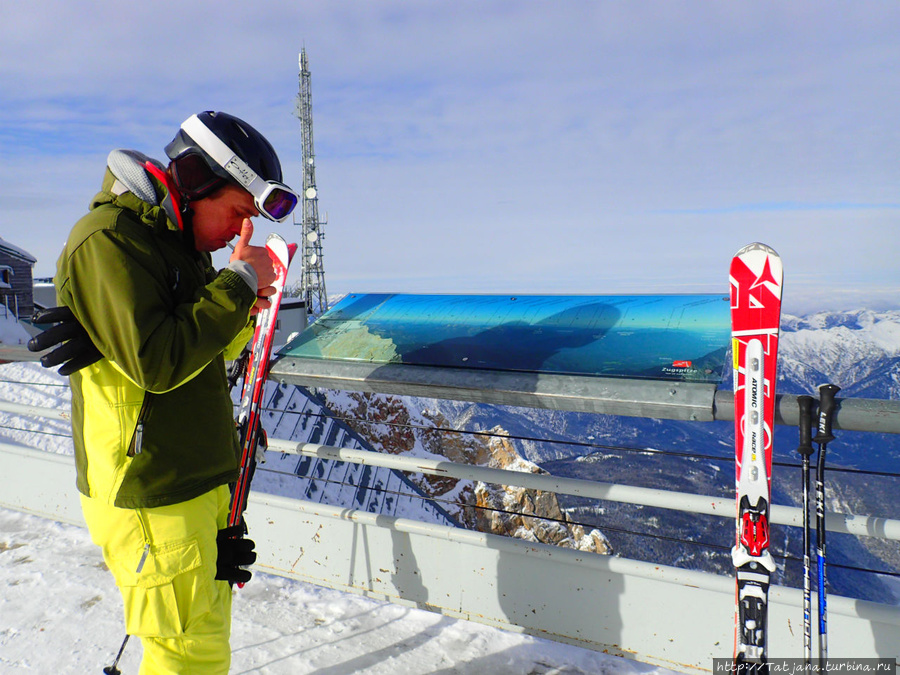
805 403
823 436
113 669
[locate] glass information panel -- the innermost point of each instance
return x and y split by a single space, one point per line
671 337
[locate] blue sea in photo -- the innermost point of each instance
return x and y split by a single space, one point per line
671 337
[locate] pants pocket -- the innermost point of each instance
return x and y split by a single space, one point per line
171 591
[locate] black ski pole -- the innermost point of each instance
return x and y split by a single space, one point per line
805 404
113 669
823 436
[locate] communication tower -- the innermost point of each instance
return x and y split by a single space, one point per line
312 284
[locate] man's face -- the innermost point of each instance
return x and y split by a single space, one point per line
217 219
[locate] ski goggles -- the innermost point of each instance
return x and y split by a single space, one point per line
193 176
273 200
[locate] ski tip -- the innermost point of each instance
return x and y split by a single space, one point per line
763 262
757 247
279 249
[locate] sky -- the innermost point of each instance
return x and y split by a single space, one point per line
496 146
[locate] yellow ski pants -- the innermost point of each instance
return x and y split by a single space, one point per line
164 562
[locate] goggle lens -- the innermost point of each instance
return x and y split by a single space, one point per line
279 203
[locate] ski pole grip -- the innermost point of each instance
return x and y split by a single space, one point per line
805 404
826 412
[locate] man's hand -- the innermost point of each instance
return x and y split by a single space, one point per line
258 257
235 552
72 346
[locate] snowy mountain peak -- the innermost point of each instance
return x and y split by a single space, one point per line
881 329
857 350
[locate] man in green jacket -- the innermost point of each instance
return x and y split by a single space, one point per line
152 419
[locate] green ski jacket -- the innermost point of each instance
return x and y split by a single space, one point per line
152 421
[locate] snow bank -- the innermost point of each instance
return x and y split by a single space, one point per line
60 613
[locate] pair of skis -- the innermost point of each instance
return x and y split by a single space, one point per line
827 393
256 369
756 278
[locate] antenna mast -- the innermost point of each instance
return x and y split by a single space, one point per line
312 285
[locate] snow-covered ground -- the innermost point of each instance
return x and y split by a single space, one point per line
60 611
11 332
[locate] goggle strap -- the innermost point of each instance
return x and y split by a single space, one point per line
224 156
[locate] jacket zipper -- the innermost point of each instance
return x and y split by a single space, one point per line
137 439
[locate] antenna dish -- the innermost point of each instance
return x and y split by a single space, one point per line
312 237
310 193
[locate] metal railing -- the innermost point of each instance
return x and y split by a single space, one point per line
689 401
858 525
884 528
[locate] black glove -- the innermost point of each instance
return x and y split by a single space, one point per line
73 347
235 551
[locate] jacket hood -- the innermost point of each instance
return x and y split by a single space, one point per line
137 182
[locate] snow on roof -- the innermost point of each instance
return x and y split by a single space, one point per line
16 251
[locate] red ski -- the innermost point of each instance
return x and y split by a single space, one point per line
257 370
756 280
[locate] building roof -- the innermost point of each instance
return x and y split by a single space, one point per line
17 252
